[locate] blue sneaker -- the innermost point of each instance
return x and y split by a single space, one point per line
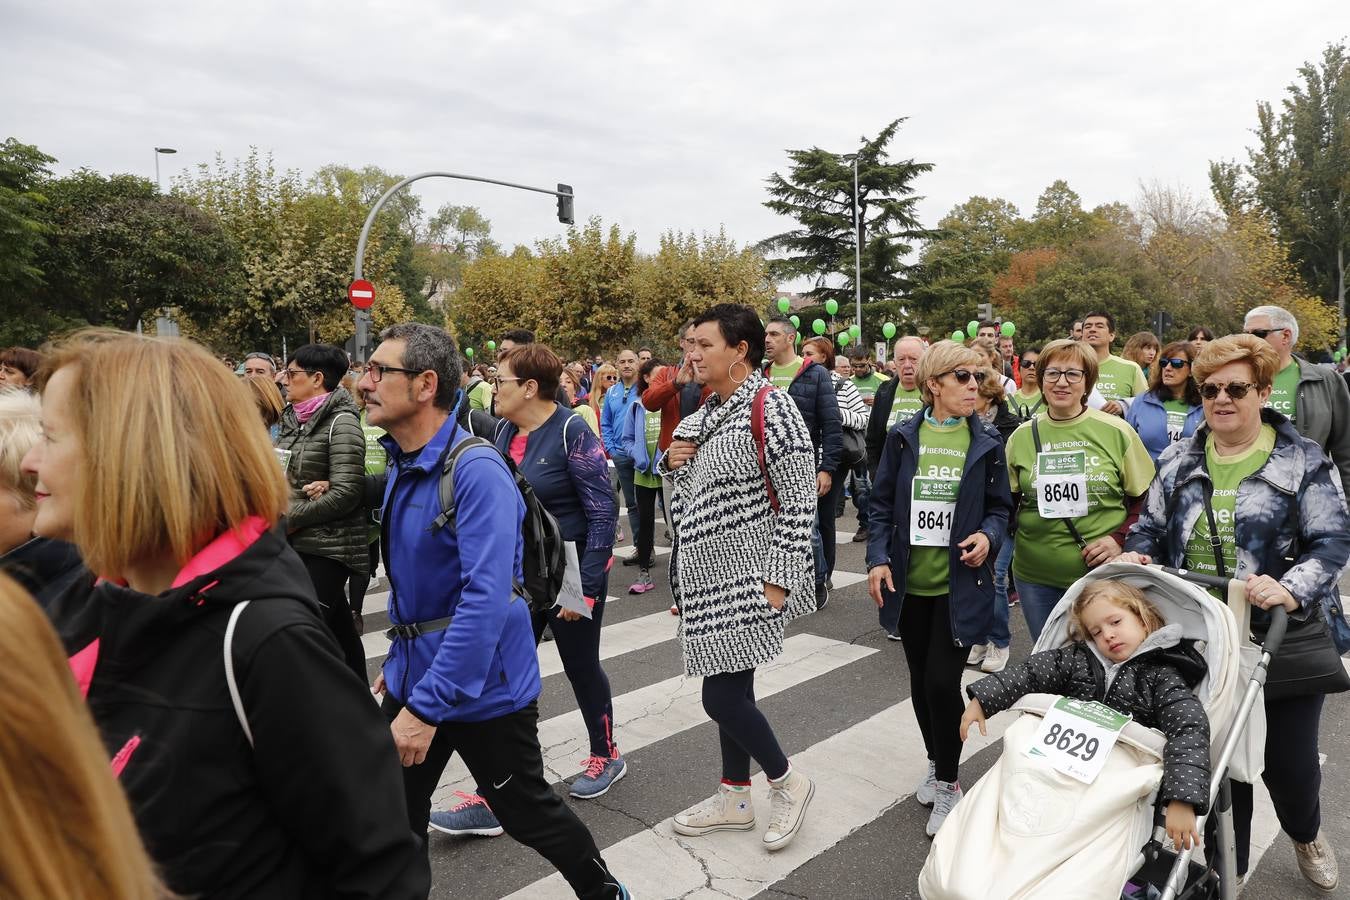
471 816
600 775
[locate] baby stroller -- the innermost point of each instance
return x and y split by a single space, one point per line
1026 830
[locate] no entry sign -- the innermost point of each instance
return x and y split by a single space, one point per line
361 293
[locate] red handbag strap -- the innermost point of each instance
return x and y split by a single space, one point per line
757 432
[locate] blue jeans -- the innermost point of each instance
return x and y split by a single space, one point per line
623 468
999 635
824 537
1038 601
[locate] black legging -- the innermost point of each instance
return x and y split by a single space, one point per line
729 700
357 584
1293 774
578 646
646 534
330 586
935 667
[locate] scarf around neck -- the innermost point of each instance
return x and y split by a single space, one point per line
305 409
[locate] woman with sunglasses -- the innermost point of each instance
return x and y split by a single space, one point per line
606 376
1027 400
1076 472
1170 410
939 514
1282 527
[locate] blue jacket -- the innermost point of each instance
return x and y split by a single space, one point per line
572 481
617 400
983 504
813 389
485 664
632 438
1148 417
1290 520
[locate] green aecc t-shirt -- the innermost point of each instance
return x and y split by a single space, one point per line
1227 472
942 458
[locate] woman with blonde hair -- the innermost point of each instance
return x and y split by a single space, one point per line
267 397
571 388
68 831
1142 349
256 765
605 377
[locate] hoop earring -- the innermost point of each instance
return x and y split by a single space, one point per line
734 379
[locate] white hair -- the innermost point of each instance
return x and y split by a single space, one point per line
20 430
1279 318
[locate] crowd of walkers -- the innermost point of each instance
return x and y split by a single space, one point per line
202 540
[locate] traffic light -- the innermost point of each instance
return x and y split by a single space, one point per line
985 312
1162 324
565 212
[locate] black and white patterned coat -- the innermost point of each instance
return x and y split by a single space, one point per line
729 541
1153 685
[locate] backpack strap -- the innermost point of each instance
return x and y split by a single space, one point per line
230 680
447 483
757 432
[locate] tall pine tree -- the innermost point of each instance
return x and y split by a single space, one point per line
818 193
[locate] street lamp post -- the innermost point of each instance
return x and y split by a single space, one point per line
158 151
857 251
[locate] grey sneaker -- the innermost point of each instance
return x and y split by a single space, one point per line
995 660
927 789
977 653
788 801
600 775
1317 862
946 796
471 816
727 810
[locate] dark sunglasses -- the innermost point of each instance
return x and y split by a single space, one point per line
1174 362
1028 363
963 376
1262 332
1235 390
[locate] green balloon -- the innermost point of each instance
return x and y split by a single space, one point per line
972 327
832 306
797 338
1008 329
796 322
888 330
784 304
468 351
818 326
958 336
492 345
855 330
843 339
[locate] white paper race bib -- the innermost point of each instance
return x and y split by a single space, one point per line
570 597
1061 484
1176 424
283 457
1076 736
931 510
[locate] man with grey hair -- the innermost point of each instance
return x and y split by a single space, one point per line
462 674
1313 397
259 363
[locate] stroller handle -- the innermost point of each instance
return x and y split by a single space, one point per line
1279 616
1200 578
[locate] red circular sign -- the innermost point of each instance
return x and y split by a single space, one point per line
361 293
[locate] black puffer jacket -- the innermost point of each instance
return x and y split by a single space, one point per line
330 447
1154 686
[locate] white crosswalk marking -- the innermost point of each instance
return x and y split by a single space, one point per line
664 709
860 773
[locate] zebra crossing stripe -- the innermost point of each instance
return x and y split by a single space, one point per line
662 710
860 773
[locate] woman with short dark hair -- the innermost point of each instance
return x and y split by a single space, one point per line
321 443
1169 411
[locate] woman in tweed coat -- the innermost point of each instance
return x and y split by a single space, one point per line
743 564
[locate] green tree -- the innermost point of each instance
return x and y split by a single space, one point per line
1046 309
1299 173
818 193
975 243
23 226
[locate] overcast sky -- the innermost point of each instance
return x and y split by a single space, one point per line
662 115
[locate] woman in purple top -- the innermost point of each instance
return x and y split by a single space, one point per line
565 464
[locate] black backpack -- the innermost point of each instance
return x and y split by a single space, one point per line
544 560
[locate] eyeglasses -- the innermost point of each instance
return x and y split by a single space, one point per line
288 373
611 378
1029 362
497 380
1262 332
1235 390
963 376
1072 376
376 371
1174 362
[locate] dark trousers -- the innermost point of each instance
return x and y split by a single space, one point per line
824 536
503 755
357 584
623 473
646 530
1293 774
935 667
330 586
578 646
729 700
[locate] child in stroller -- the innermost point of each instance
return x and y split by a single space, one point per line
1125 657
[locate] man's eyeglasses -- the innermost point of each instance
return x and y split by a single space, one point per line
1072 376
376 371
1174 362
1235 390
1262 332
963 376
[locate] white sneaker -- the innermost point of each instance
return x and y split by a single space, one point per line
977 653
727 810
927 789
947 794
788 801
996 660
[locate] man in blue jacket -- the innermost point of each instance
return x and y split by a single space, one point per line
462 674
618 399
